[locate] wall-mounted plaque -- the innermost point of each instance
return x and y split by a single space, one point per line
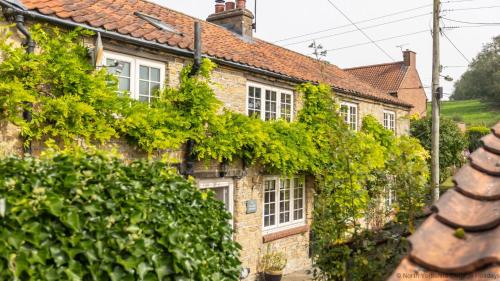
251 206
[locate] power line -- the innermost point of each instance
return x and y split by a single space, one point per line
468 22
354 30
347 25
360 30
380 40
455 46
473 8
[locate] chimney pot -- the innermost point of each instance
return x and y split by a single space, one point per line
219 6
230 6
241 4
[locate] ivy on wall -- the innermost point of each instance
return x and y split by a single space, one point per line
73 101
78 215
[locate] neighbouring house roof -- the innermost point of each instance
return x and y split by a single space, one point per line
118 16
386 77
438 251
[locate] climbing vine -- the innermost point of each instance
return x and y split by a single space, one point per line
354 171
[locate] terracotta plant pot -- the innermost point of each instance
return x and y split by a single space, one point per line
273 276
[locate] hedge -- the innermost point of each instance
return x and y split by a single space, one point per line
88 216
474 135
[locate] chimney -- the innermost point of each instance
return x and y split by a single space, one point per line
233 16
219 6
410 58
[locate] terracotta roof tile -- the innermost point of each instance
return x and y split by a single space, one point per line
486 161
386 77
476 184
118 15
438 252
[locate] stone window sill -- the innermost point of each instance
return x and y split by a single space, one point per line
285 233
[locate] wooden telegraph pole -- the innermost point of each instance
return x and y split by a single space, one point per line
436 65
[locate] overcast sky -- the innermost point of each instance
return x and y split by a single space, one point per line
282 19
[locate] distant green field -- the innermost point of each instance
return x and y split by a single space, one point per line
472 112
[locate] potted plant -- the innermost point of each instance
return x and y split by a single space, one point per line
272 265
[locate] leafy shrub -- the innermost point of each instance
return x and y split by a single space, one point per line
474 135
452 142
87 216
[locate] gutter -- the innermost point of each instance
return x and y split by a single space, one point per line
183 52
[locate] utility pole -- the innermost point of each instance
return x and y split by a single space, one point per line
436 65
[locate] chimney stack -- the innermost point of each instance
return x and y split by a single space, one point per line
410 58
219 6
233 16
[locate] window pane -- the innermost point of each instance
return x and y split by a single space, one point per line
269 202
155 74
144 72
144 98
154 87
254 101
298 203
286 107
285 201
143 88
270 105
124 84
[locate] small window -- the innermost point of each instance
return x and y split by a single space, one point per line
141 78
349 112
390 120
223 190
268 103
284 203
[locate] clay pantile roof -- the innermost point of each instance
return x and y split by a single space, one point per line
386 77
218 42
461 240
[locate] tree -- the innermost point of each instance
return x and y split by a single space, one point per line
452 142
482 79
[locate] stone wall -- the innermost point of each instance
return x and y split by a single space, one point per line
376 109
248 228
230 87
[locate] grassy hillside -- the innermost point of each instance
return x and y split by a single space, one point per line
472 112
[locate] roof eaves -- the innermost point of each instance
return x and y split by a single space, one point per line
187 53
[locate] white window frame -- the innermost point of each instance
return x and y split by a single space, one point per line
135 63
278 91
349 121
292 223
219 183
388 126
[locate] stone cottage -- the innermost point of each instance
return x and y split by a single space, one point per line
399 79
151 44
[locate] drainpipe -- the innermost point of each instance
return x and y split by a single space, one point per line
29 43
189 159
197 49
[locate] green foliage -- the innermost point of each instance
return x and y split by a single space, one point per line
474 135
67 105
88 216
482 79
452 142
471 112
353 170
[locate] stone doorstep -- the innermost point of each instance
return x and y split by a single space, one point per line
303 275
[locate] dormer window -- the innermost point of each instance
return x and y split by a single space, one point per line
269 103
